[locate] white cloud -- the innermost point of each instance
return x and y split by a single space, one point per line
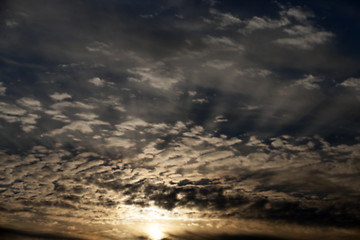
224 19
77 104
30 103
200 100
156 76
87 116
255 142
2 89
60 96
191 141
11 23
57 115
220 119
120 108
157 128
299 30
351 83
10 119
309 82
11 109
283 143
251 107
214 156
299 14
253 72
192 93
179 126
218 64
132 124
119 142
305 37
29 119
220 141
258 23
11 114
97 81
80 126
222 43
28 128
100 47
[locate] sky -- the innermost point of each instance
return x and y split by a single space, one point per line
174 119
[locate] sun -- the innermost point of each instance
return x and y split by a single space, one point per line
154 232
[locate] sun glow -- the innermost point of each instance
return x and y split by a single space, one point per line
153 222
150 214
154 232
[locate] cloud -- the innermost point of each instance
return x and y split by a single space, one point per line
192 93
11 110
195 171
57 115
97 81
29 121
352 82
220 119
223 20
254 141
200 100
84 127
12 114
66 104
9 233
11 23
216 236
100 47
299 13
119 142
185 127
87 116
156 77
254 72
251 107
305 37
309 82
132 124
218 64
30 103
2 89
223 43
60 96
258 23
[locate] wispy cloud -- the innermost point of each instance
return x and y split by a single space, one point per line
352 82
2 89
305 37
60 96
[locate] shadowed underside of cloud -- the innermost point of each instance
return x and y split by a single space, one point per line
10 233
204 236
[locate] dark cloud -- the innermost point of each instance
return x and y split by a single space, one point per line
205 236
9 233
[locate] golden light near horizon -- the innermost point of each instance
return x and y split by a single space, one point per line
154 232
150 214
152 222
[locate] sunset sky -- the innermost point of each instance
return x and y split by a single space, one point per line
179 119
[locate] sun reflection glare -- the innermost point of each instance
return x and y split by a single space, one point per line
154 232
